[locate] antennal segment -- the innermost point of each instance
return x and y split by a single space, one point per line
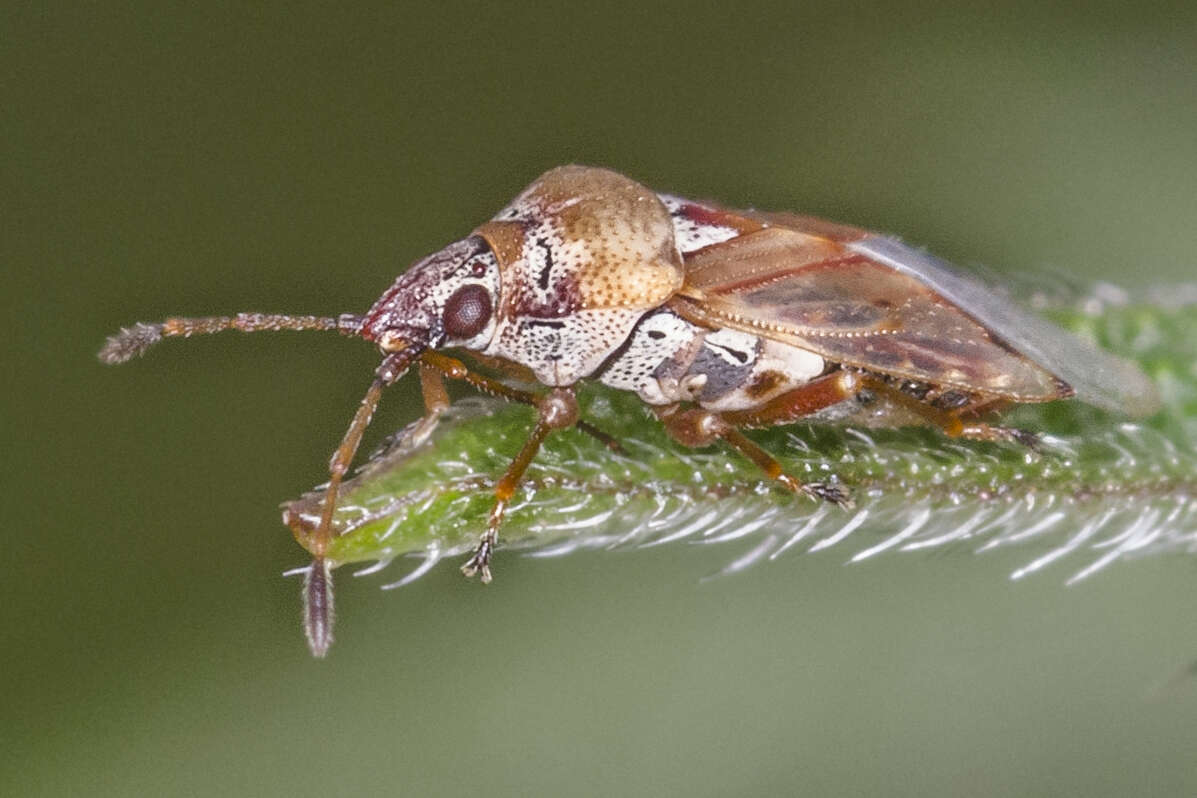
133 341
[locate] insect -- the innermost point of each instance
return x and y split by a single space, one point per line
720 320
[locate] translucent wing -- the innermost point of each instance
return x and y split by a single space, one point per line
870 301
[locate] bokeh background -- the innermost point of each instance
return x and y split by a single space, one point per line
162 159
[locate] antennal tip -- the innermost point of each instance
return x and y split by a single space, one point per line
318 607
130 342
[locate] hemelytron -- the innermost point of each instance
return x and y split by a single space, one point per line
719 320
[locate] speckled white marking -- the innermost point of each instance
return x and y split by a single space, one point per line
660 337
562 351
413 307
689 234
669 360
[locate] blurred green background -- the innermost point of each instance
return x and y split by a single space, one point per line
163 159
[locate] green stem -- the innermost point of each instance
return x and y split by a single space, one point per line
1105 488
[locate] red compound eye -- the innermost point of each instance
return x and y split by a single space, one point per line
467 311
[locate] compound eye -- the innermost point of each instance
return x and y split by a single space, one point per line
467 312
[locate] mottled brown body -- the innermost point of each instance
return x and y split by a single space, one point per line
720 320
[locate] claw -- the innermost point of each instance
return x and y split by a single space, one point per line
831 493
1028 439
818 490
479 563
984 432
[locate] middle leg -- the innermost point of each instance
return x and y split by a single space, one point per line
557 410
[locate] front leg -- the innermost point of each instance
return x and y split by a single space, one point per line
438 364
436 402
556 410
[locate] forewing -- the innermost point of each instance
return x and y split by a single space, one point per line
1096 376
872 302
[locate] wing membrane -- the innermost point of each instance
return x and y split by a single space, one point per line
873 302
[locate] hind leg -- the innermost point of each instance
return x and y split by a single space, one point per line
950 421
698 427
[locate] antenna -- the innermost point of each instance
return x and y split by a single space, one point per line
133 341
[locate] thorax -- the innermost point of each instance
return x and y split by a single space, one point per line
668 359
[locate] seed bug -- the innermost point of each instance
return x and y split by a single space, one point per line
720 320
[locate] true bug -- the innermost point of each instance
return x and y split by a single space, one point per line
719 319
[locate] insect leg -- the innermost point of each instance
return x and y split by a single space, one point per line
557 410
456 370
950 421
767 463
436 402
988 432
698 427
820 393
317 591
